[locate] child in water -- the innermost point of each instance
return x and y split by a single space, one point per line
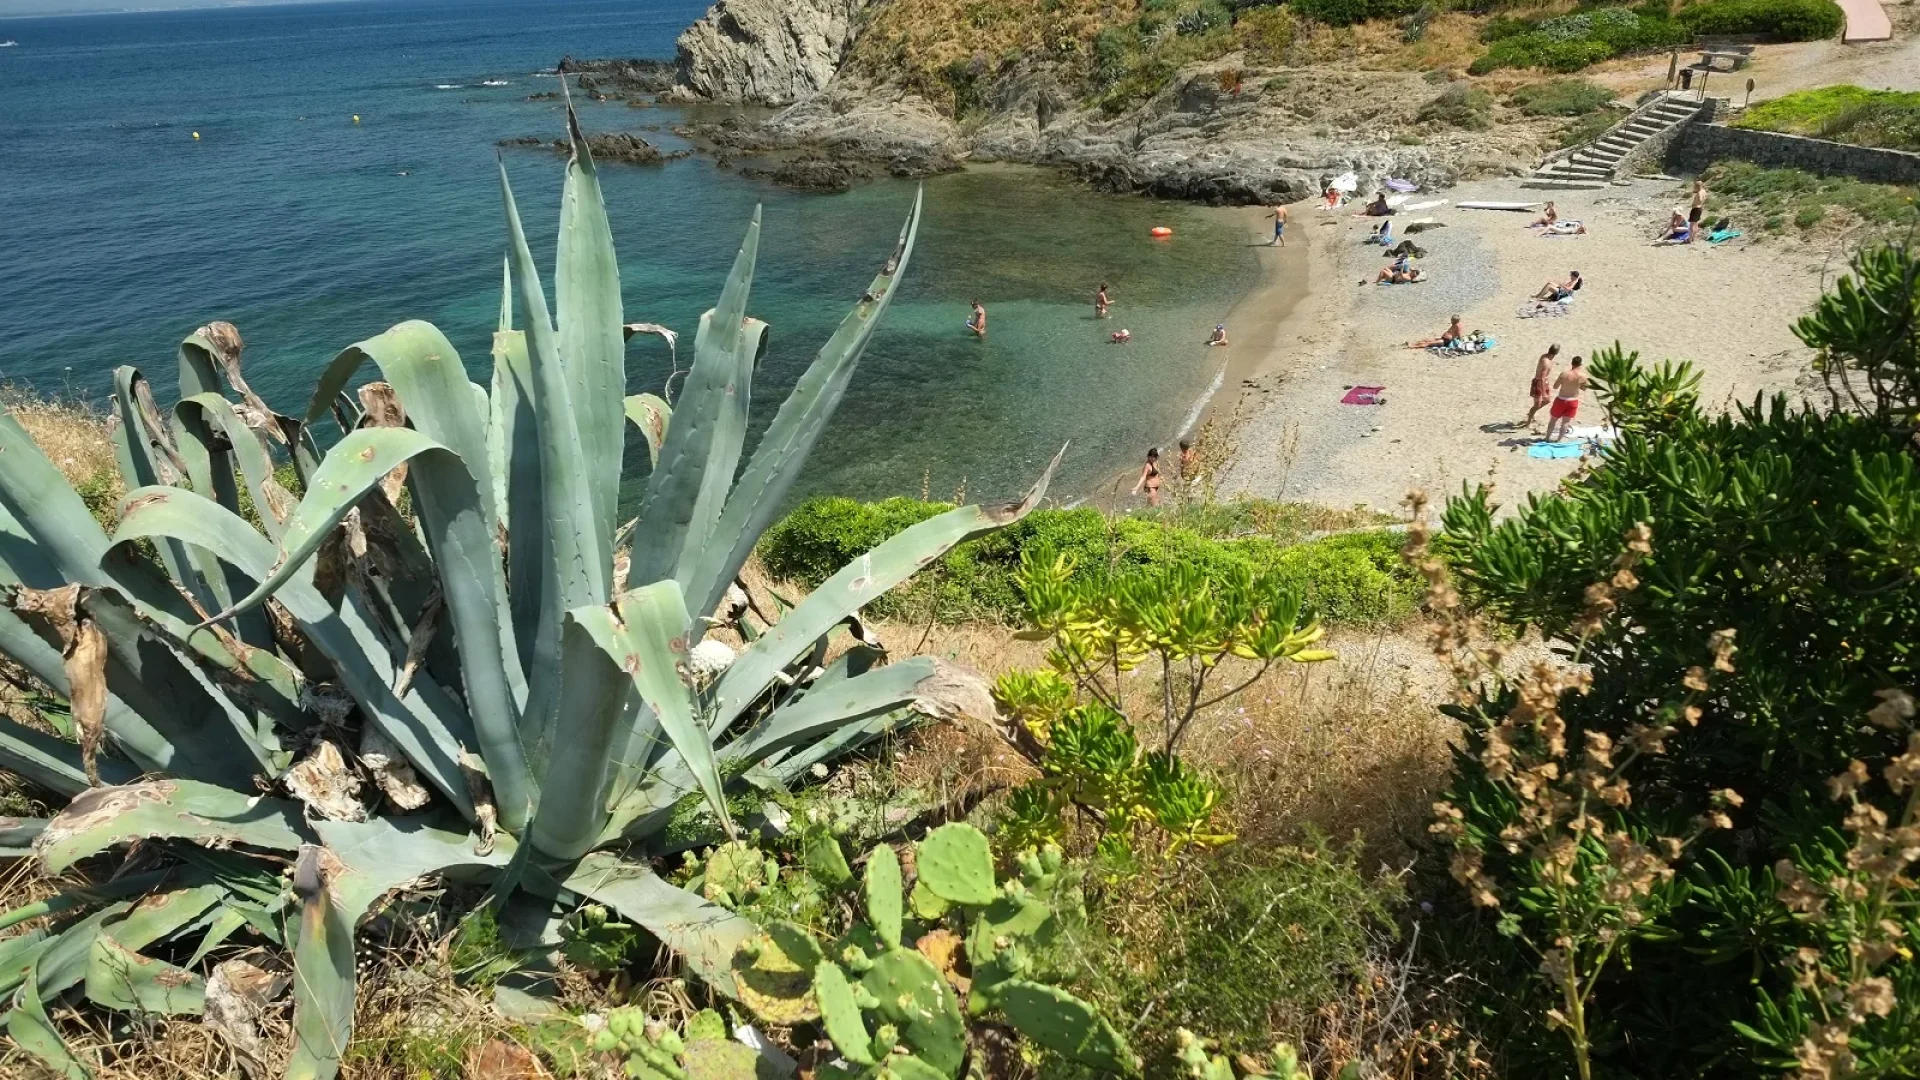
977 322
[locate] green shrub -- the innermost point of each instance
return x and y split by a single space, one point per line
1760 641
1848 114
1782 20
1460 105
1243 945
1572 42
1803 197
1350 578
1348 12
1561 97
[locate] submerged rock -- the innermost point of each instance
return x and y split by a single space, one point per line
620 146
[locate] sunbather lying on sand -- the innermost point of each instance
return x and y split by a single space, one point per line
1548 217
1449 336
1398 272
1560 290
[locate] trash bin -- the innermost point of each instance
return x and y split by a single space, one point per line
1686 78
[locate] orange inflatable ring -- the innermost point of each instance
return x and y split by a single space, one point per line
1161 231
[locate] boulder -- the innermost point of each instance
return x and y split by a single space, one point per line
766 52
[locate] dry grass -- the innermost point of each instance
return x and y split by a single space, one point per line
75 434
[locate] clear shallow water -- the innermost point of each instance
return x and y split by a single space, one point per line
119 233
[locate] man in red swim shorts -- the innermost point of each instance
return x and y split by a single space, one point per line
1566 399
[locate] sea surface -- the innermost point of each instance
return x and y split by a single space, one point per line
120 232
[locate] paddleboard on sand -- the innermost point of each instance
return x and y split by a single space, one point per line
1496 205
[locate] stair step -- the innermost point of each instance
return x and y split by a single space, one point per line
1553 184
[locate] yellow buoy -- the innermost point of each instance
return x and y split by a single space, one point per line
356 118
196 134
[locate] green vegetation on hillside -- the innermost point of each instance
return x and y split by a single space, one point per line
1848 114
1784 198
1595 33
1349 578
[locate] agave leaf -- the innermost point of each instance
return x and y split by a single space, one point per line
586 307
668 521
776 462
50 761
856 585
214 413
576 551
427 727
824 709
593 702
103 817
17 835
515 446
377 856
119 978
18 955
86 896
786 769
650 413
33 1032
645 633
226 922
705 935
323 974
144 461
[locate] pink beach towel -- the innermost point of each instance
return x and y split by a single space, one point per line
1363 395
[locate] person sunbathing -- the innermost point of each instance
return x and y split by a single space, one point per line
1398 272
1548 217
1678 230
1452 335
1560 290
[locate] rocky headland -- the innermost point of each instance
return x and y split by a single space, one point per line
863 89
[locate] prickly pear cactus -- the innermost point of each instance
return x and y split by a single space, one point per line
653 1051
883 894
841 1003
773 984
1197 1064
956 864
1065 1024
734 873
913 997
820 853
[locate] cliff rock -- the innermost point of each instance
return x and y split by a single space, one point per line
766 52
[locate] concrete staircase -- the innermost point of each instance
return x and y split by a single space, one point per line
1596 164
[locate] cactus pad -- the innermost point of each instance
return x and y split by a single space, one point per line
956 863
840 1014
927 904
908 1067
706 1024
723 1059
916 1000
1010 918
883 894
1195 1062
820 852
772 984
1063 1023
795 943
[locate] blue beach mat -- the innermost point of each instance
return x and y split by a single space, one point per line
1722 236
1570 448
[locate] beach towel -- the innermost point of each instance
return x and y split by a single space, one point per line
1345 182
1402 185
1597 434
1395 200
1428 205
1567 449
1468 347
1562 228
1722 236
1364 395
1543 309
1424 224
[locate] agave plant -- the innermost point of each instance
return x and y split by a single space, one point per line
456 590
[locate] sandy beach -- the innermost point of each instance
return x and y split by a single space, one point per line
1445 421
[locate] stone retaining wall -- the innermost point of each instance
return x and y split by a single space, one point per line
1700 145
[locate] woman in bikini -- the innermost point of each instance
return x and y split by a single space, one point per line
1150 478
1100 302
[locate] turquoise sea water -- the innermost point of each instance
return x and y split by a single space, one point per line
119 233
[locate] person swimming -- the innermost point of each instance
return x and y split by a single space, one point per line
977 322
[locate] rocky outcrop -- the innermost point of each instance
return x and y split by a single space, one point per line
766 52
619 146
621 78
1203 138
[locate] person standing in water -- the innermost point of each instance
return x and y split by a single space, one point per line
1100 302
1279 217
977 322
1541 388
1566 401
1150 478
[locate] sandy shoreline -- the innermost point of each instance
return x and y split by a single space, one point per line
1303 338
